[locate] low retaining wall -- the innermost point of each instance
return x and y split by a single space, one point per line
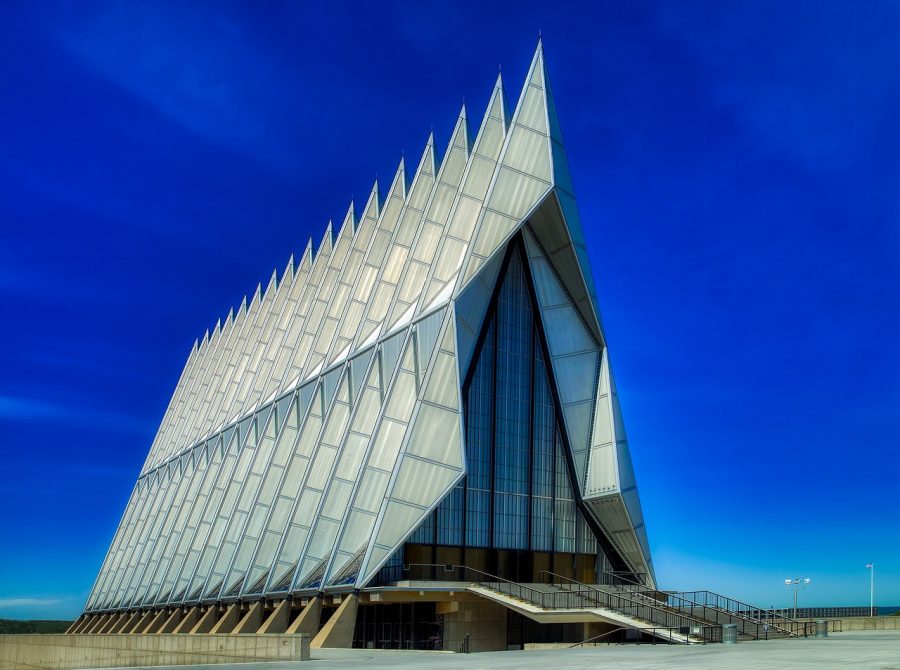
866 622
70 652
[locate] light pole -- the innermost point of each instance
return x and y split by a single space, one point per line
795 585
871 566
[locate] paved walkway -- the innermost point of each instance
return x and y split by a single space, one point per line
875 650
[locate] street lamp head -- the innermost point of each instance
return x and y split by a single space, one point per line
807 580
788 582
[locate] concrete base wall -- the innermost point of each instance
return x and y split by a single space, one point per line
67 652
865 623
485 623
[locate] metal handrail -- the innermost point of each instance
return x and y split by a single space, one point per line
732 607
629 584
745 611
648 601
582 598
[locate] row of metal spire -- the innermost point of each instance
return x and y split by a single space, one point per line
218 363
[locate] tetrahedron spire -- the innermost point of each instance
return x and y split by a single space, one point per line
328 238
398 185
493 126
273 282
348 225
428 162
460 137
370 213
306 259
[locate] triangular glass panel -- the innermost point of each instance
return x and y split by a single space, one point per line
303 399
283 406
235 589
377 557
283 583
244 430
390 352
443 295
257 586
358 368
262 421
426 335
314 580
350 572
330 382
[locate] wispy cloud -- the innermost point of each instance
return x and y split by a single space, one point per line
201 69
31 409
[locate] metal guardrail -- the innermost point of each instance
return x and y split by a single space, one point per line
571 596
824 612
687 624
752 621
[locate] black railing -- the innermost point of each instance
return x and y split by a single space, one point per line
751 621
825 612
568 594
626 580
641 605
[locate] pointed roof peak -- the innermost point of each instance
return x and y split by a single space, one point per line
373 202
306 258
348 225
327 240
460 136
428 161
399 177
398 184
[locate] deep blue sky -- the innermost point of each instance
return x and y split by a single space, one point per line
737 167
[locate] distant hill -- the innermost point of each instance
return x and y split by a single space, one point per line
13 627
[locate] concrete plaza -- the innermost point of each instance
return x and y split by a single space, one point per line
872 650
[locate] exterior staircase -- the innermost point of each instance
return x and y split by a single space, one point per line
689 617
752 622
565 603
